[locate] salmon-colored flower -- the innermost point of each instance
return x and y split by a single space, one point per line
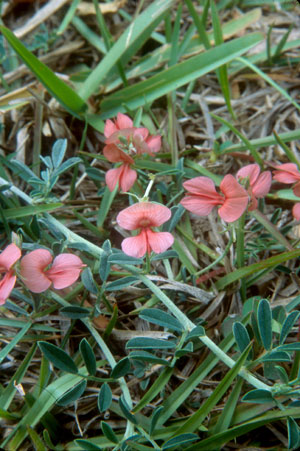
259 184
203 197
8 258
123 143
64 271
143 216
296 211
288 173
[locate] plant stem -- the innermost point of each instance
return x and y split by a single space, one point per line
270 227
240 252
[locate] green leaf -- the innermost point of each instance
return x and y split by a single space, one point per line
104 398
126 411
277 356
198 331
241 335
121 369
171 79
259 396
289 347
88 356
164 319
31 210
58 152
123 259
88 281
154 419
56 87
145 356
180 440
287 325
87 445
58 357
108 432
293 433
255 267
264 318
121 283
73 394
75 312
149 343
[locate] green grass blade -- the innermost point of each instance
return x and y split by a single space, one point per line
132 39
251 269
195 421
6 350
8 393
178 75
41 406
269 80
21 212
218 440
56 87
247 143
221 71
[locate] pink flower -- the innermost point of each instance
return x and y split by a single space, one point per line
123 174
203 197
259 184
288 173
64 271
122 130
123 142
8 258
144 216
296 211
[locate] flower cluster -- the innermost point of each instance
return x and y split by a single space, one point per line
124 143
64 271
202 196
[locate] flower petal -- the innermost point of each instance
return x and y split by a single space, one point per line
159 241
296 211
135 246
32 270
9 256
115 155
127 178
143 214
198 205
262 185
109 128
296 189
236 199
154 143
251 171
65 270
123 121
6 286
203 186
287 173
112 177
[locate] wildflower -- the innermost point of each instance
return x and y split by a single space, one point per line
64 271
288 173
203 197
8 258
144 216
296 211
123 142
259 184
